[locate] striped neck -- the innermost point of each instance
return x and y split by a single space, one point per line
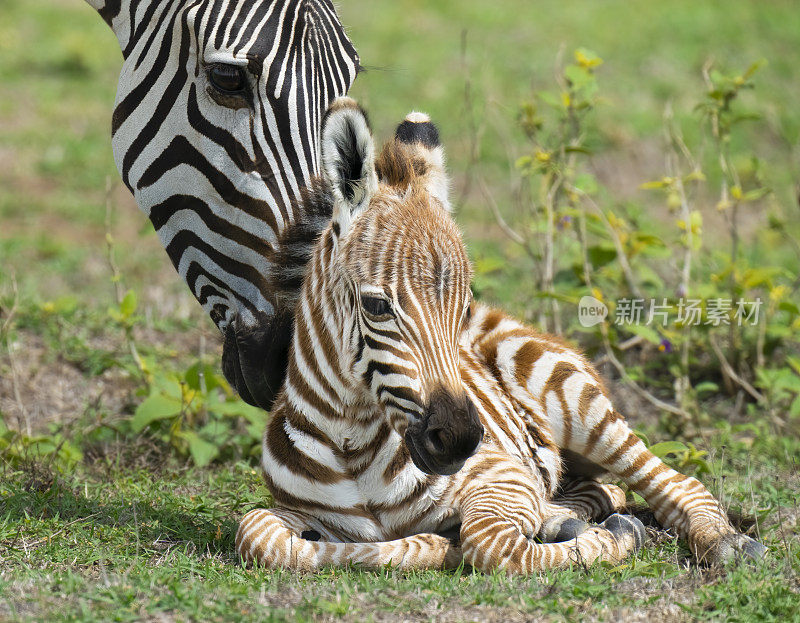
319 385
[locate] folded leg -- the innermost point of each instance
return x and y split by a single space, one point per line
568 514
280 538
501 512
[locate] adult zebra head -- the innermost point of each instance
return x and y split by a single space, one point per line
387 293
215 131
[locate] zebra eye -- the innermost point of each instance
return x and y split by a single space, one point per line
376 307
228 79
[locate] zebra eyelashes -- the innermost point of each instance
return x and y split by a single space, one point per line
227 79
228 84
376 308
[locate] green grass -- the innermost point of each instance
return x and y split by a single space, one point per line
121 541
131 532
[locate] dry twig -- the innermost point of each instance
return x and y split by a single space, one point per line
731 373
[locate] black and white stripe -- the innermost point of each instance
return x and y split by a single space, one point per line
218 172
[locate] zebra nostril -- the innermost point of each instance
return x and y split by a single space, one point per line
436 440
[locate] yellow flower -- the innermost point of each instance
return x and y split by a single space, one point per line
586 61
778 293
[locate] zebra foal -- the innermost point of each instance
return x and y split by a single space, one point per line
409 411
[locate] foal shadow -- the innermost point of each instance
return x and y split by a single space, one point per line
157 527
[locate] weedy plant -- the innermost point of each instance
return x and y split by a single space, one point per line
190 410
687 319
194 410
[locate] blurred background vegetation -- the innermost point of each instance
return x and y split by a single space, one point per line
595 148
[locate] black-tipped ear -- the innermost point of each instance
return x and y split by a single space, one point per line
418 139
418 128
348 160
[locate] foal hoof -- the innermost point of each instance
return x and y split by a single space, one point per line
735 548
626 525
562 528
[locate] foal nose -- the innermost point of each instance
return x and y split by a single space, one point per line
453 430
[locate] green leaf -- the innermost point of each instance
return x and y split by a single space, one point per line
210 376
747 116
642 436
668 447
601 255
790 307
129 304
577 149
239 408
587 183
755 277
216 431
550 98
644 331
156 407
656 184
754 67
524 162
578 76
706 387
169 385
201 451
756 194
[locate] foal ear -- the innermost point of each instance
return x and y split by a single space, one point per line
418 133
348 160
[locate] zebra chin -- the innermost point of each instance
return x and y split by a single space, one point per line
450 433
427 464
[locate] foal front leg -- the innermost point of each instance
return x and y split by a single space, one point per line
568 513
279 538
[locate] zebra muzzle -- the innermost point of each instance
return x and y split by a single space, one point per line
447 436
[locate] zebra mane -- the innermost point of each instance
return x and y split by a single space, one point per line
296 242
400 165
265 345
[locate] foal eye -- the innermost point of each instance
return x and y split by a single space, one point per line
227 79
376 307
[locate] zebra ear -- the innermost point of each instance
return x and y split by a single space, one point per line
348 160
418 133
